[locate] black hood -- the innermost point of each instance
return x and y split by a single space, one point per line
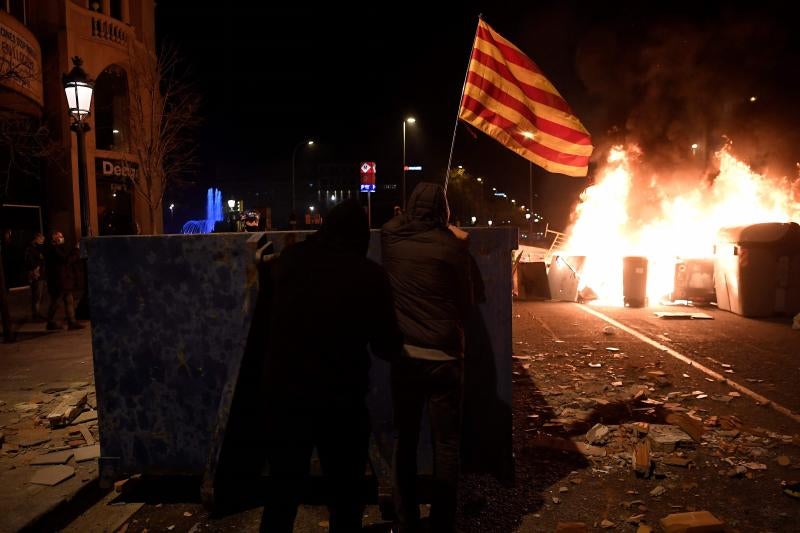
346 228
428 203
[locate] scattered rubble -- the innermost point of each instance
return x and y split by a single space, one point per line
67 410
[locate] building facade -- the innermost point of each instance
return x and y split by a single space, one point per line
39 40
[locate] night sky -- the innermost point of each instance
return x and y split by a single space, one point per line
664 75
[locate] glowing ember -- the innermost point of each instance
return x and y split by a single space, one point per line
625 215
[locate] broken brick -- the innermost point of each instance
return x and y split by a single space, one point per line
694 522
571 527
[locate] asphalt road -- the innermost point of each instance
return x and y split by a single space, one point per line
571 371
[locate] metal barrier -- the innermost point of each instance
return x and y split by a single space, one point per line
170 321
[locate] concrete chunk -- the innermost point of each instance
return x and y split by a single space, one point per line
52 475
694 522
597 435
665 438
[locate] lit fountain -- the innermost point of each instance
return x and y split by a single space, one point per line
213 214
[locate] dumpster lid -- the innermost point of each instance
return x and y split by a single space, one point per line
760 234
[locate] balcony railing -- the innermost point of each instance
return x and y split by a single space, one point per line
109 29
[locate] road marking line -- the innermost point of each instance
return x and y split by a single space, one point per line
677 355
547 328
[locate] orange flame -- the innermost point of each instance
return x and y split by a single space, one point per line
612 220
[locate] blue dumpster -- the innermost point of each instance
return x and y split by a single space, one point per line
170 322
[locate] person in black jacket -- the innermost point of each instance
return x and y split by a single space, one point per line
35 267
329 302
63 278
428 264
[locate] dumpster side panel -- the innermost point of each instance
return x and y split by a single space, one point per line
487 417
757 281
161 371
726 278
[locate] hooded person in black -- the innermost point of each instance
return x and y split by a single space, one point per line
329 302
428 265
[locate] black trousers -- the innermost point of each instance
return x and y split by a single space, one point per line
415 383
340 432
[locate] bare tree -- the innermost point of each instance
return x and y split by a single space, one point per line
163 119
25 143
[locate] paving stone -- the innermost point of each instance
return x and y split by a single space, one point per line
87 453
87 434
52 475
32 441
88 416
56 458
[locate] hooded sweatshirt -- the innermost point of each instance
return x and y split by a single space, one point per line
429 271
329 302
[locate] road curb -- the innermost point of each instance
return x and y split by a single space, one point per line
66 510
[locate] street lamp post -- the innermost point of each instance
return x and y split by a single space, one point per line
294 155
530 198
480 206
78 89
409 120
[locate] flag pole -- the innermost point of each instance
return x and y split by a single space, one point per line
458 111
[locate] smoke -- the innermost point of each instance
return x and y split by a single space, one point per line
683 85
669 84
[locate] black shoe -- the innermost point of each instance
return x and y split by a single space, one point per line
75 325
52 326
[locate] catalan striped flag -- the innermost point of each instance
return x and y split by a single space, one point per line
507 97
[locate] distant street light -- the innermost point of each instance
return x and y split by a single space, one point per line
311 208
409 120
309 142
474 219
489 222
231 203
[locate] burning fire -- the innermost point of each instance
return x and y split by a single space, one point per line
623 215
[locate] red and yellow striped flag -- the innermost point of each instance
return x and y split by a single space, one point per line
507 97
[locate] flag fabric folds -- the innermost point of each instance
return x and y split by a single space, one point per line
508 97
